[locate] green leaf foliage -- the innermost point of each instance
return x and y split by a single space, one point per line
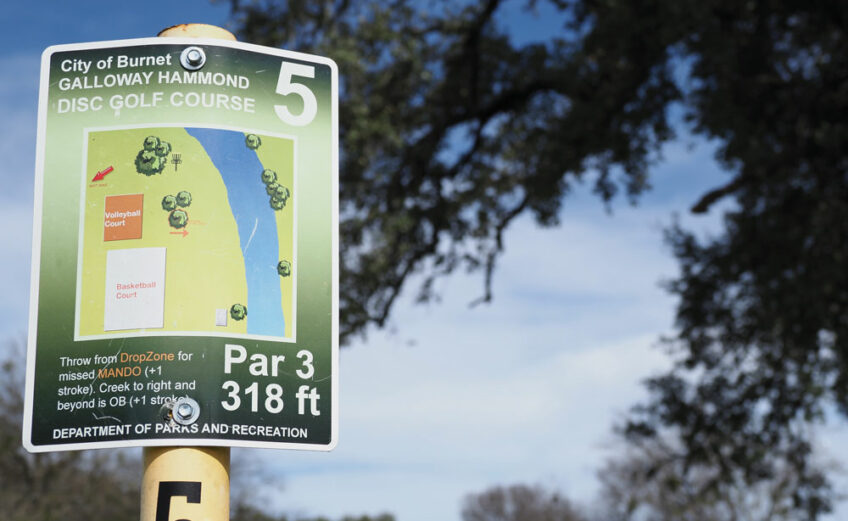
163 149
252 141
269 176
72 485
277 204
184 198
148 163
153 156
655 481
238 311
450 131
281 192
169 202
178 219
284 268
519 503
151 143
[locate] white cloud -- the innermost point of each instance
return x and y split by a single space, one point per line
525 389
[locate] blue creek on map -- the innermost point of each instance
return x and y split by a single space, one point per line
240 170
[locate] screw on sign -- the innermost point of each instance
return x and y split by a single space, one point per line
193 58
185 411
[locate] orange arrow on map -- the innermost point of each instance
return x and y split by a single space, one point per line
100 175
182 232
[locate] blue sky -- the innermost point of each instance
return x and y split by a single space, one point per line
447 400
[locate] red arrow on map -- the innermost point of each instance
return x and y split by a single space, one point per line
182 232
100 175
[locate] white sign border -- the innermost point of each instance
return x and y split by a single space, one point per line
35 271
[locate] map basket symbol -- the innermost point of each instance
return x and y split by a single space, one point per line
175 159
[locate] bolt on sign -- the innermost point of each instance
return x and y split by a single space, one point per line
185 248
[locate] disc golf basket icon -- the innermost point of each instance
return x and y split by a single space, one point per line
175 159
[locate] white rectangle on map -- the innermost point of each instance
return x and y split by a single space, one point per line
135 289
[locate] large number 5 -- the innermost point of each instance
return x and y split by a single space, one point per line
285 86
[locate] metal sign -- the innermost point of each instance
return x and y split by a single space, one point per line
185 248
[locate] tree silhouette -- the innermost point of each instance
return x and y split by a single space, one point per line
451 130
73 486
519 503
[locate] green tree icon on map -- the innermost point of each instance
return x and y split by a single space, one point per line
153 157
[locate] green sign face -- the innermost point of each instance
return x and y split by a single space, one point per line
185 251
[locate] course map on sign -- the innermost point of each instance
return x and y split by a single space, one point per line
186 231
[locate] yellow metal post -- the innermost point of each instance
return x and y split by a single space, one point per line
197 31
187 482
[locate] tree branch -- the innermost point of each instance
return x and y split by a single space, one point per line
711 197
